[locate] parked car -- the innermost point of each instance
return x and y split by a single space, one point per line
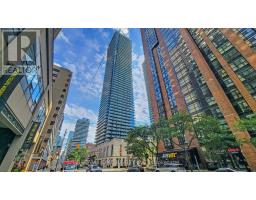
173 167
69 166
94 168
225 169
135 169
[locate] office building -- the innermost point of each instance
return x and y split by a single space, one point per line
203 71
116 113
25 97
81 133
68 144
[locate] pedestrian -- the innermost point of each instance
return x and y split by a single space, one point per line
44 168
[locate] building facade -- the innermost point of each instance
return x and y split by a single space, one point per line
25 95
203 71
80 135
42 151
68 143
111 154
116 113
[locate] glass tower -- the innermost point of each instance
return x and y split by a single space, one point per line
81 133
116 113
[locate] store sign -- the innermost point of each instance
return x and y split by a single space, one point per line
232 150
30 137
8 83
172 155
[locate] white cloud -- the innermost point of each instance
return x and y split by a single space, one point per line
103 33
68 125
63 37
124 31
92 133
77 112
92 43
139 89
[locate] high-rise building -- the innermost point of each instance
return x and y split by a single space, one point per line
81 133
210 71
43 149
25 98
68 144
116 113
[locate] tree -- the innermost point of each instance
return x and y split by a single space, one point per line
158 131
214 137
144 141
249 124
181 126
79 155
138 143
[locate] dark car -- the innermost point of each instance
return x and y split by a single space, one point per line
94 168
135 169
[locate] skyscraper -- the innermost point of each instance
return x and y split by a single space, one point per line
68 144
80 134
116 113
210 71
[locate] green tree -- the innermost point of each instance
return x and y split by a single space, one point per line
138 143
144 141
79 155
181 126
214 137
159 132
249 124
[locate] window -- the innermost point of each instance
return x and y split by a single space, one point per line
52 123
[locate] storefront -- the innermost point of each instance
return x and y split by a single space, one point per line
178 156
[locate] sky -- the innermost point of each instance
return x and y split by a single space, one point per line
82 51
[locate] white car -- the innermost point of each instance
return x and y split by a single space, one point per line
225 169
171 168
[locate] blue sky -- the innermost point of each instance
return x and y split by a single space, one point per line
81 51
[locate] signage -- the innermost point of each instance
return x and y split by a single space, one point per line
8 83
78 146
70 162
232 150
172 155
31 134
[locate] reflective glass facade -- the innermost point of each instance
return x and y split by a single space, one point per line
81 133
177 61
151 43
239 65
116 114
